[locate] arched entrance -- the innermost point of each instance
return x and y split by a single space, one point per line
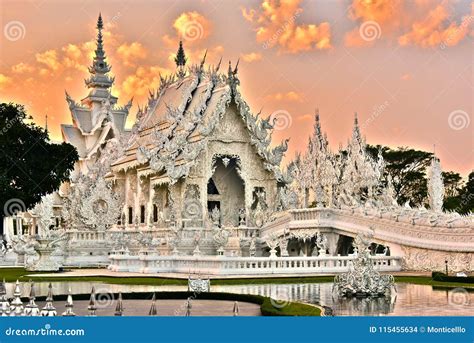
226 190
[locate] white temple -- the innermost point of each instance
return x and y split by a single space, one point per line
197 186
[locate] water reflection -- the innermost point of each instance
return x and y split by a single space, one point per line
410 300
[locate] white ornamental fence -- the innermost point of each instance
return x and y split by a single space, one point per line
223 265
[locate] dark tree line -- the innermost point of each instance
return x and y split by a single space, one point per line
408 169
30 165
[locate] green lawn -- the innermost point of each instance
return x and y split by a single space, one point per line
12 274
426 280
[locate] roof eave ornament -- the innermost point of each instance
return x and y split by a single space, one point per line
232 79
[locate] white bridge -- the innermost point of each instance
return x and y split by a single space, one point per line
417 240
388 228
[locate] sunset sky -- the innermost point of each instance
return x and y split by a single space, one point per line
404 66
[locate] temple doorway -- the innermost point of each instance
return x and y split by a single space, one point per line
226 191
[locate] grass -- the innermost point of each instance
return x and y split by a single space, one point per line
12 274
290 309
425 280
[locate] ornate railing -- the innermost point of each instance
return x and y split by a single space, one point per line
384 227
221 265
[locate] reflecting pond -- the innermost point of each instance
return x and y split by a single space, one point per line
409 300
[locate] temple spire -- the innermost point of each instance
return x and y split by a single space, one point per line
99 67
180 60
356 131
317 123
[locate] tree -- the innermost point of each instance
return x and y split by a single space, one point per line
466 196
407 168
452 187
452 183
30 165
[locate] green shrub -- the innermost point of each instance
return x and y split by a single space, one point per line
438 276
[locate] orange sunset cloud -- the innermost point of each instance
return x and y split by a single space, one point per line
192 26
275 25
251 57
292 57
434 29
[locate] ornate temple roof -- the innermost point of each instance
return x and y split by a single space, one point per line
97 117
180 117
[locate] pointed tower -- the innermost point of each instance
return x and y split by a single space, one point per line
92 305
153 311
99 82
16 304
4 304
119 307
235 311
360 170
188 307
32 309
69 306
49 310
180 60
97 118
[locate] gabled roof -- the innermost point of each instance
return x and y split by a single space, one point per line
179 119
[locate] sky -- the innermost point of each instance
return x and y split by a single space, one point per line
404 66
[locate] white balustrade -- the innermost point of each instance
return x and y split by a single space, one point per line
223 265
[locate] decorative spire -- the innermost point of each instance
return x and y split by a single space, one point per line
153 311
4 304
236 309
356 131
69 305
32 309
99 67
49 310
180 60
232 78
219 65
188 307
229 71
236 69
203 60
119 307
17 304
92 306
317 124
